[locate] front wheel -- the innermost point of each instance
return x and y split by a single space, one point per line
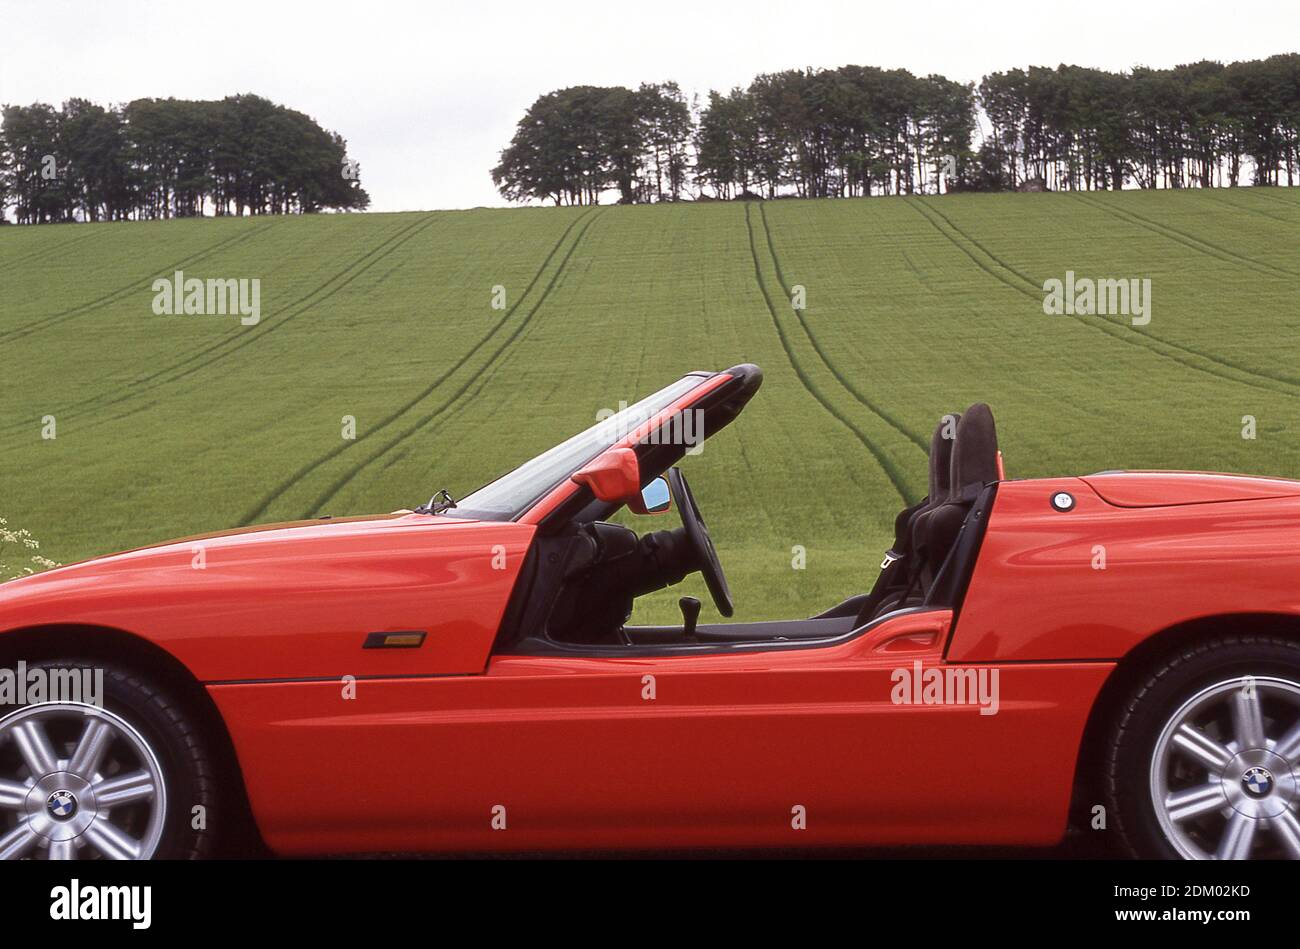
121 774
1205 757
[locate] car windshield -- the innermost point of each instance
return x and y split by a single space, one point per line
512 494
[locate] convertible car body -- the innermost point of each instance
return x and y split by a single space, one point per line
1119 652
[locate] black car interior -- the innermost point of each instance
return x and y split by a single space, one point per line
583 574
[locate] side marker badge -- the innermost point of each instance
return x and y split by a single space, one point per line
405 639
1063 501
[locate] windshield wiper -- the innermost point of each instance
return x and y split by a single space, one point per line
442 501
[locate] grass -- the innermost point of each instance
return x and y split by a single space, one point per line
915 307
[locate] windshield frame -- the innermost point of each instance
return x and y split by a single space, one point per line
553 467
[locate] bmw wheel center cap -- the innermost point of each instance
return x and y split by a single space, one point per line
61 805
1258 782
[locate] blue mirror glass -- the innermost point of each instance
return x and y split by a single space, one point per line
656 497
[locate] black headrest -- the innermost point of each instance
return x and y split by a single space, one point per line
945 433
975 453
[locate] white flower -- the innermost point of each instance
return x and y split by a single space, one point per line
22 538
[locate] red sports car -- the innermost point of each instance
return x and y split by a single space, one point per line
1119 651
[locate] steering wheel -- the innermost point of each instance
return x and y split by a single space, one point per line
698 535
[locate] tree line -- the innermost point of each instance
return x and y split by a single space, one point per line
166 158
861 130
576 143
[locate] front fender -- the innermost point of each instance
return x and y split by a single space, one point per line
296 602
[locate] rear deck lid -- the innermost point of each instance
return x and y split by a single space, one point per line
1165 488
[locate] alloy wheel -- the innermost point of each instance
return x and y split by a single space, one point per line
1225 773
77 782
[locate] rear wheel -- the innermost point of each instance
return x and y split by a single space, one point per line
1205 757
126 778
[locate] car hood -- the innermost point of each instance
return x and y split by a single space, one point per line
246 544
295 600
1166 488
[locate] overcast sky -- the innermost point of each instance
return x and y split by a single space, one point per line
427 93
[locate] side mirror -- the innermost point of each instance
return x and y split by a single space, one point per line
614 475
656 498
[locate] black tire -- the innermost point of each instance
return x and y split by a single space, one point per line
177 740
1149 706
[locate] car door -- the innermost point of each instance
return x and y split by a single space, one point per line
814 746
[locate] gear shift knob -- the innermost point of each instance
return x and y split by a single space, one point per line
690 614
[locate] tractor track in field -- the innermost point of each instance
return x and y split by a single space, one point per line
886 465
1146 341
310 300
921 278
1198 244
481 377
876 410
47 251
307 470
1005 265
995 274
1275 196
231 343
121 293
1225 200
1273 193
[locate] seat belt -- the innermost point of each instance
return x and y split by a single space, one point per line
896 562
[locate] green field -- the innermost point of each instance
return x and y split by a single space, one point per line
172 425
